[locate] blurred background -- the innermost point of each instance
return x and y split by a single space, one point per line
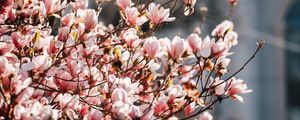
274 74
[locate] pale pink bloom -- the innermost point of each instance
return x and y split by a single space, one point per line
205 116
157 14
133 17
44 43
67 101
53 6
237 86
188 110
205 48
232 2
160 107
223 62
90 19
94 115
130 37
63 33
74 68
68 19
127 85
12 14
219 49
41 62
60 80
177 47
194 42
176 91
222 28
79 4
119 94
25 95
220 89
5 48
173 118
189 9
123 4
19 40
5 67
151 47
121 110
231 38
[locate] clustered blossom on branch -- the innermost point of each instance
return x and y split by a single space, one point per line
92 71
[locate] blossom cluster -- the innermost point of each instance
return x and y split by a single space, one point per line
92 71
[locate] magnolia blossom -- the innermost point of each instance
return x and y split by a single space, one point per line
132 16
189 9
87 69
130 37
79 4
68 19
90 19
177 47
94 115
222 28
237 86
205 47
121 110
5 48
231 38
63 33
123 4
53 6
206 116
152 47
219 49
157 14
194 42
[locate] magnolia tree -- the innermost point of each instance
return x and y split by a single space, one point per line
92 71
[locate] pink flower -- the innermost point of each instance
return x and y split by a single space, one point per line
68 19
157 14
205 116
222 28
205 48
132 16
219 49
90 19
151 47
63 33
42 62
79 4
194 42
119 94
220 89
177 47
130 37
121 110
188 110
25 95
53 6
123 4
232 2
231 38
94 115
189 9
5 48
160 107
19 40
237 86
